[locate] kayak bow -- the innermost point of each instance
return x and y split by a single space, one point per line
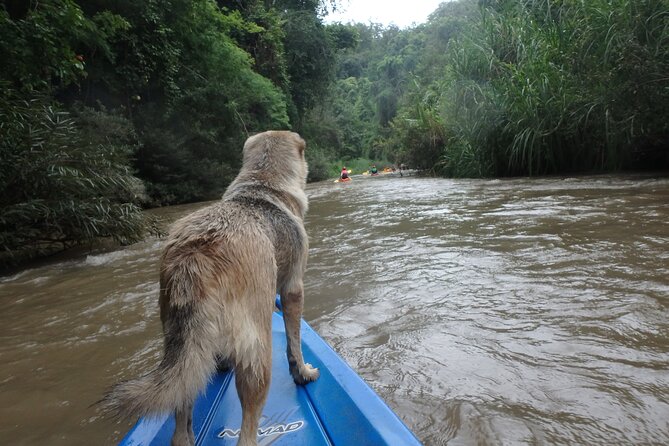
337 409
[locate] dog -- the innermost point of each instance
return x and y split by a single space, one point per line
220 270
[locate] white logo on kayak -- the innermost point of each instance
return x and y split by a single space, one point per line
265 431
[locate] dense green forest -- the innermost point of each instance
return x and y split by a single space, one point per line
509 87
108 107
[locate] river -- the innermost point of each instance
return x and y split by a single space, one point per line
485 312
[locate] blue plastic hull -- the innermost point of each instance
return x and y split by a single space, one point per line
337 409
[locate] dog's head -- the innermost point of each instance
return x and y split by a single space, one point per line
277 157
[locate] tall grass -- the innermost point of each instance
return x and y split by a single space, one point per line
548 86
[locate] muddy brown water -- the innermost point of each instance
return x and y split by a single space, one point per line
522 311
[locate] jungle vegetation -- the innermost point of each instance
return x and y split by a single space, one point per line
510 87
108 107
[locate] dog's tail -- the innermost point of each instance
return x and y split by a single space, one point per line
188 363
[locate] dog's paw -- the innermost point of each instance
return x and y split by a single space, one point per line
305 375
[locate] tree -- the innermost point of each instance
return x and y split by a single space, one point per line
65 178
190 90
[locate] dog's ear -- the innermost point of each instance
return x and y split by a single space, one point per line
301 145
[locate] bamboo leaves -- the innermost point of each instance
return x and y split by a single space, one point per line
569 80
60 186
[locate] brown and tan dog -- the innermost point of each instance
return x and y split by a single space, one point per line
221 268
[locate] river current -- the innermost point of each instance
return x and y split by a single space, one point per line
484 312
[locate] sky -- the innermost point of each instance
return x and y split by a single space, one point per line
400 12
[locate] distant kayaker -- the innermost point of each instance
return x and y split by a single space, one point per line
344 174
374 170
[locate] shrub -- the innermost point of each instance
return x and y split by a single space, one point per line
60 189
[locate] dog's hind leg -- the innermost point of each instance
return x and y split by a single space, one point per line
183 433
292 302
252 387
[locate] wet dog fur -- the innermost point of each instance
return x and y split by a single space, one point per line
220 270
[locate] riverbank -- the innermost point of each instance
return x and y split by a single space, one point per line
103 245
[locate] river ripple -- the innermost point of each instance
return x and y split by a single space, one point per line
484 312
501 312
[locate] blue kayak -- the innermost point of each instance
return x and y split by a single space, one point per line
337 409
